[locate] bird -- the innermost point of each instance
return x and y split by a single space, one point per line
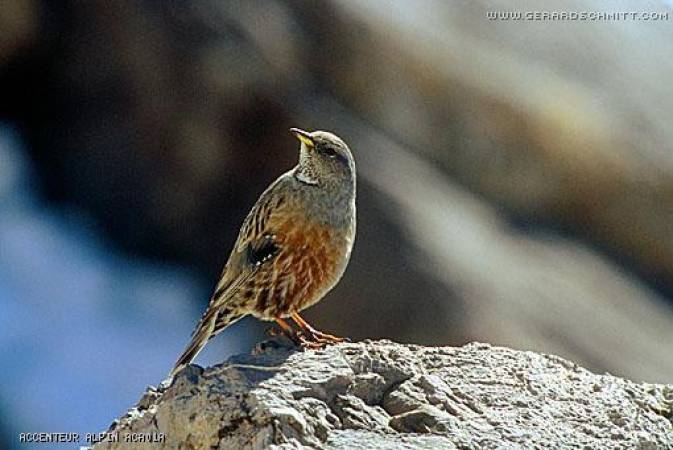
292 249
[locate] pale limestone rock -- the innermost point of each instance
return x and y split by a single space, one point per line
390 396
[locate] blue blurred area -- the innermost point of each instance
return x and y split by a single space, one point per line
84 329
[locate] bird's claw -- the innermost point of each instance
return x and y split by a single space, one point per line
320 339
308 344
319 336
307 338
297 338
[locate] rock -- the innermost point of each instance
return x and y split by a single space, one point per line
379 394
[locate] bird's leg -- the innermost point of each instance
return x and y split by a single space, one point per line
295 337
287 330
313 334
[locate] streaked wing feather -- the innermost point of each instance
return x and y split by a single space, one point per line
255 247
257 237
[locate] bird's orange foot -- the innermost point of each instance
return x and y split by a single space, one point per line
307 344
314 335
297 337
300 340
323 338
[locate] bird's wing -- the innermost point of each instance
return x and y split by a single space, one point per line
256 246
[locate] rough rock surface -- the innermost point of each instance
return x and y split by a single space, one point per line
387 395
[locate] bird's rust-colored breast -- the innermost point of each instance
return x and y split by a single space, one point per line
309 263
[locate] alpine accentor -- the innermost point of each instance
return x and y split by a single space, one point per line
292 249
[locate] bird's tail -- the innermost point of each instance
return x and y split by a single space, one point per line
201 336
211 324
216 318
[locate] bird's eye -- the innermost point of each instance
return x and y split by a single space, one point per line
329 151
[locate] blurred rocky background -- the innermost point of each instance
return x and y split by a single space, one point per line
516 181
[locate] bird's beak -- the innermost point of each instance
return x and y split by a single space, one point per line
303 136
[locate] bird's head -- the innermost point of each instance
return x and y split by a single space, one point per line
324 158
